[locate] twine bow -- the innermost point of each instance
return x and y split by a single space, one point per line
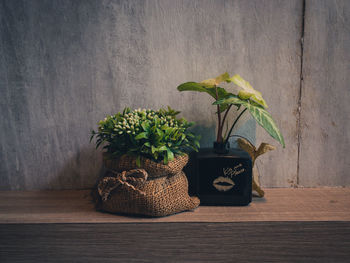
130 179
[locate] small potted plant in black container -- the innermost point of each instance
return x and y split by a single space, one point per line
224 175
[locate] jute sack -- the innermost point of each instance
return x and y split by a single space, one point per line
154 169
154 189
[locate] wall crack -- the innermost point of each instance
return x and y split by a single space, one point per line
300 89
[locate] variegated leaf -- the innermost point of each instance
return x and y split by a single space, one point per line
266 121
248 91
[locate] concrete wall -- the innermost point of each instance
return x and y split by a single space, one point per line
325 108
64 65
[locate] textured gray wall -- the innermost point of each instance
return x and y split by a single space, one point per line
64 65
325 109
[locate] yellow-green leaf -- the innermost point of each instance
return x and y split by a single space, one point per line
170 155
248 91
191 86
208 83
266 121
262 117
230 99
216 81
222 78
194 86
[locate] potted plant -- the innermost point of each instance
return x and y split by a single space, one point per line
247 98
145 152
230 173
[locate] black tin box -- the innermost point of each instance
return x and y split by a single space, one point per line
223 179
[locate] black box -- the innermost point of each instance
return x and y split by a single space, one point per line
223 179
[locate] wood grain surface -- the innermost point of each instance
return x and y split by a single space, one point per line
289 225
177 242
309 204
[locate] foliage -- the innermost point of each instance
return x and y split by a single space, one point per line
157 135
247 97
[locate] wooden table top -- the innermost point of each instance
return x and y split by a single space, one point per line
279 204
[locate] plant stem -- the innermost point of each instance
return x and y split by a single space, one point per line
233 125
223 119
219 134
226 129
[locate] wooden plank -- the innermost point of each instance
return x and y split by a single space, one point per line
323 204
325 111
177 242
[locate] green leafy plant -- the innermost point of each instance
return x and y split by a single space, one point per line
157 135
247 97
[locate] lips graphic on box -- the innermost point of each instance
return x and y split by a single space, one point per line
223 184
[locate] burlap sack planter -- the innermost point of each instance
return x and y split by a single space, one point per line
154 169
153 190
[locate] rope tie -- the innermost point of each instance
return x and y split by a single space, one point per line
129 179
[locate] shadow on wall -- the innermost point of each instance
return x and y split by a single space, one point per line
207 134
245 128
83 168
80 167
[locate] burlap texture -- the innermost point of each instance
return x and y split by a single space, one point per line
135 192
154 169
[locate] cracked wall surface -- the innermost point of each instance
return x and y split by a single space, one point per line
64 65
325 111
